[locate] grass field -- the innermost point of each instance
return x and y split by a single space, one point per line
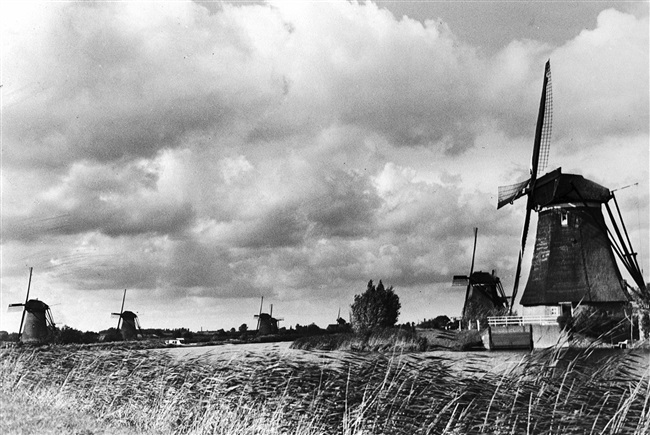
63 390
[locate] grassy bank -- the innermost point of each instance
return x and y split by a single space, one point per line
148 392
393 340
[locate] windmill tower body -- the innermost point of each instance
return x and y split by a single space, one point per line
267 325
129 325
37 318
485 296
573 262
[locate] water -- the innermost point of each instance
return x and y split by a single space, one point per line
479 362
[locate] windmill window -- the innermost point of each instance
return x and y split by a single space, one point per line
564 218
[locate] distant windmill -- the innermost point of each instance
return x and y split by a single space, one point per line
340 325
127 322
484 293
36 324
573 260
266 323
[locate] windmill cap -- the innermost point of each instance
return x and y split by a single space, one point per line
129 315
484 278
36 305
556 187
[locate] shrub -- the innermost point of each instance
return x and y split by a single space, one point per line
377 307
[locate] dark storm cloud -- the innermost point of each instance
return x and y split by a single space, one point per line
347 207
283 226
113 200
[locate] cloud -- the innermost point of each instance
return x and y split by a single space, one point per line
601 77
288 149
108 82
119 86
114 200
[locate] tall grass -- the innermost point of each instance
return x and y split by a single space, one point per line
144 391
380 340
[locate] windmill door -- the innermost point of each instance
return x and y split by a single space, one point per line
566 310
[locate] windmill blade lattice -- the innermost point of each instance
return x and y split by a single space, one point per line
460 281
507 194
545 138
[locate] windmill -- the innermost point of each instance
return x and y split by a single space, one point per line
484 293
127 322
36 324
340 326
573 258
266 323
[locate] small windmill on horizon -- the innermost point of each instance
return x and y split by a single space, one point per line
484 293
127 322
266 323
36 324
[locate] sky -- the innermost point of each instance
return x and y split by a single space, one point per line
205 154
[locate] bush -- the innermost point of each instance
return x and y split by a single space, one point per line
68 335
377 307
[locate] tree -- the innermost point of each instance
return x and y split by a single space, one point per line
440 322
377 307
67 335
243 327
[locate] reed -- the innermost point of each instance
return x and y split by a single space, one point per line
381 340
145 392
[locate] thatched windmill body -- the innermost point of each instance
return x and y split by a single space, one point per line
484 293
573 259
36 324
266 323
127 322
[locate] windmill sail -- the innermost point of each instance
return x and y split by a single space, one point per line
471 271
460 281
544 124
29 284
121 310
259 316
539 161
508 194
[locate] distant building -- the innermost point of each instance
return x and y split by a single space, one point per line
175 341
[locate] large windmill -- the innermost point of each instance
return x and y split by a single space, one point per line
127 322
573 259
36 324
266 323
484 293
